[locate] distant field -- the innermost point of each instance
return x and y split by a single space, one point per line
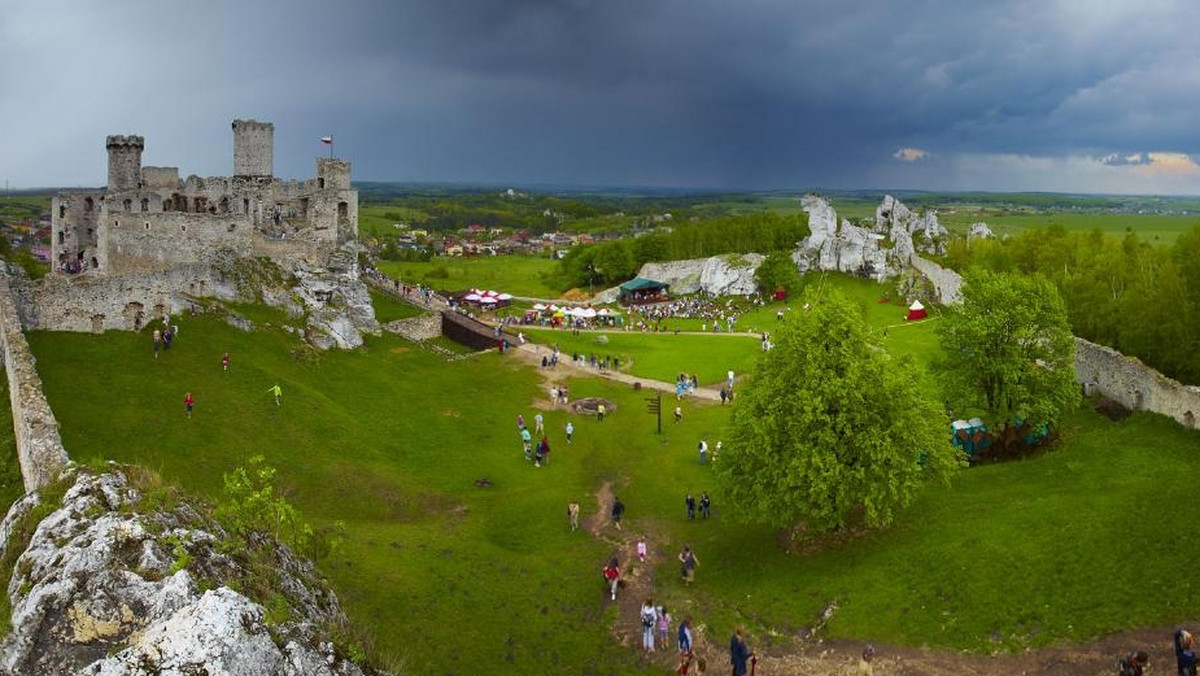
518 275
378 219
13 208
1156 228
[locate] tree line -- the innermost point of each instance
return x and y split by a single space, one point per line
616 261
1126 293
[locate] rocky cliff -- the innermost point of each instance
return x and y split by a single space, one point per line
728 275
103 582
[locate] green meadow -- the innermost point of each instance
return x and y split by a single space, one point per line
1079 541
518 275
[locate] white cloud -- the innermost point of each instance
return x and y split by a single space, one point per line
910 154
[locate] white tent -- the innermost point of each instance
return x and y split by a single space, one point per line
505 296
916 305
473 296
539 306
489 300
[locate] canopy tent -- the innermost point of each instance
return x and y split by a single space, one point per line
539 306
916 311
641 288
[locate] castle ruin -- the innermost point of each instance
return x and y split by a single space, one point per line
149 219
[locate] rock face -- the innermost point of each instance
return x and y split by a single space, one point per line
892 246
719 275
979 231
102 589
908 231
847 248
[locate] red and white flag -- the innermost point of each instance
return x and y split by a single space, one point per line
327 140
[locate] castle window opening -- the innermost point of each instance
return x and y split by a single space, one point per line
198 205
145 204
127 204
95 263
62 211
183 228
147 225
88 204
246 206
224 205
232 227
62 236
343 211
321 183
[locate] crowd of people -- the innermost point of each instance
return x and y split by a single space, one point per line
719 315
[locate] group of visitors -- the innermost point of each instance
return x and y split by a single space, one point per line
539 453
705 505
606 363
1134 664
656 624
165 337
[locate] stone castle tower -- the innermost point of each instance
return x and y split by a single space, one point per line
253 149
124 162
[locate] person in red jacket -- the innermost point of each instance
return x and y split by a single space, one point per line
188 402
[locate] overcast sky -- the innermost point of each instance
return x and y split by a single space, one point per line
1084 95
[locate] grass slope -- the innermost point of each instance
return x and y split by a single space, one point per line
1079 542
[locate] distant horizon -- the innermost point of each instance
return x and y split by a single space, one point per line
550 188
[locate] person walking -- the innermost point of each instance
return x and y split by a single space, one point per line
539 424
739 654
618 512
1134 663
573 515
277 391
664 626
520 421
601 409
188 402
678 414
570 431
641 550
866 666
690 503
543 453
684 636
724 395
612 575
157 340
527 442
703 451
705 505
225 362
687 564
1185 656
649 617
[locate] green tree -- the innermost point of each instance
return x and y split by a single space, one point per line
1009 351
778 271
831 432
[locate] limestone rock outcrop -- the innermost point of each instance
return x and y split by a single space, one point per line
102 588
979 231
728 275
909 232
845 247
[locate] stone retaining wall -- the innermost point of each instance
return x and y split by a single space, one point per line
39 448
1103 370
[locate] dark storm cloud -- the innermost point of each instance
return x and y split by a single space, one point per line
694 93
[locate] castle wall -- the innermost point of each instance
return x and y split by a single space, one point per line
1136 386
160 178
121 302
39 447
132 243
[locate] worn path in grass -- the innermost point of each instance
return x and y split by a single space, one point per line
534 353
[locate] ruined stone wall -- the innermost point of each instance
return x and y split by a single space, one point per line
466 331
304 248
39 447
121 302
131 243
1136 386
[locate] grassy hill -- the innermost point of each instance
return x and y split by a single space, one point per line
453 579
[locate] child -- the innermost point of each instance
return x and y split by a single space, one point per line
641 550
664 626
225 362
